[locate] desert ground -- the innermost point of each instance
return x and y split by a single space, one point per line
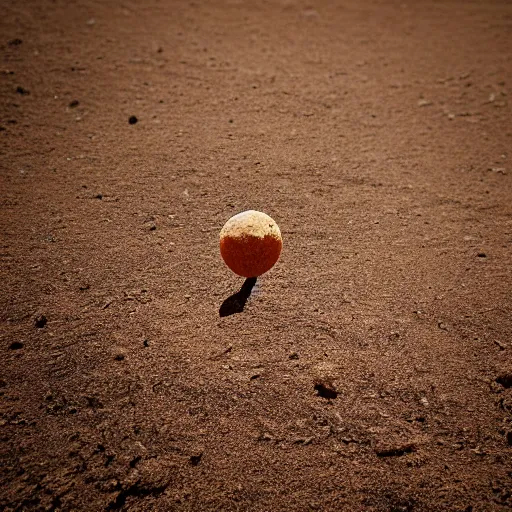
371 368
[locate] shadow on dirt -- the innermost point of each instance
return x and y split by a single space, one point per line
235 303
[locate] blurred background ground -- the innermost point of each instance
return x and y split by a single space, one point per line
377 134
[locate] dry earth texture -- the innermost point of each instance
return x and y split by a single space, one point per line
371 369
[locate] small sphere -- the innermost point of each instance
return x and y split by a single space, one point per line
250 243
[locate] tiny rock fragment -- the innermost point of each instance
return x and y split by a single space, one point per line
303 440
132 119
501 345
16 345
424 103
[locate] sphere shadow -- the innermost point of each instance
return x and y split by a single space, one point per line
236 303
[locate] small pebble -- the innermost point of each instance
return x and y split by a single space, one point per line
132 119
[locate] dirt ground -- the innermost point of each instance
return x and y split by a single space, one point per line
371 369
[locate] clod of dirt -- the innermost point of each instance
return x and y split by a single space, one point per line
325 388
16 345
395 451
132 119
293 355
40 321
442 326
74 104
505 380
15 42
22 90
304 441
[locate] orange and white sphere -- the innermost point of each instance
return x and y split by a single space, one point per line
250 243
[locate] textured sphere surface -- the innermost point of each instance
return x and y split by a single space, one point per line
250 243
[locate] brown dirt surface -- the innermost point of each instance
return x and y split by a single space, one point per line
370 369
